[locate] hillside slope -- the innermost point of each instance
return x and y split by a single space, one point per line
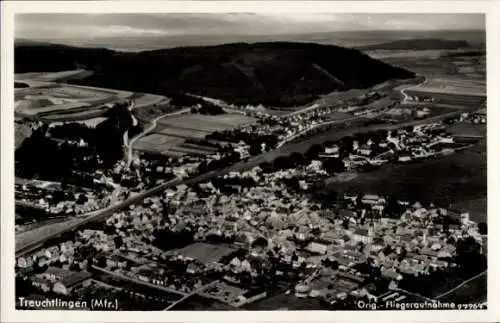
279 73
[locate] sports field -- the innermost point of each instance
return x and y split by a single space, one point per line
205 252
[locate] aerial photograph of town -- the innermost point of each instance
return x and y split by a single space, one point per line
250 162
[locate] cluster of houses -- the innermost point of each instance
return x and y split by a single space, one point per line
61 281
267 220
408 254
42 196
476 117
403 145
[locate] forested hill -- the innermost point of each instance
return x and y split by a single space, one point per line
418 44
279 73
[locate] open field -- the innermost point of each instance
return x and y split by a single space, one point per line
454 86
451 90
478 207
188 150
55 76
93 122
438 63
388 53
57 99
379 104
26 109
206 149
157 143
170 134
207 122
205 252
145 100
74 116
182 133
469 293
467 130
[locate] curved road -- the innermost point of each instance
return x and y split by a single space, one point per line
405 100
148 130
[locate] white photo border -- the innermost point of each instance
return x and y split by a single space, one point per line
8 313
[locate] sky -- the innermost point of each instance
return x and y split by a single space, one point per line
46 26
117 28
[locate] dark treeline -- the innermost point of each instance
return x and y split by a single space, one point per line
209 109
18 85
167 239
464 54
277 74
57 151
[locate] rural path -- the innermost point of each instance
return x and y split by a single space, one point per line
406 96
461 284
153 125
